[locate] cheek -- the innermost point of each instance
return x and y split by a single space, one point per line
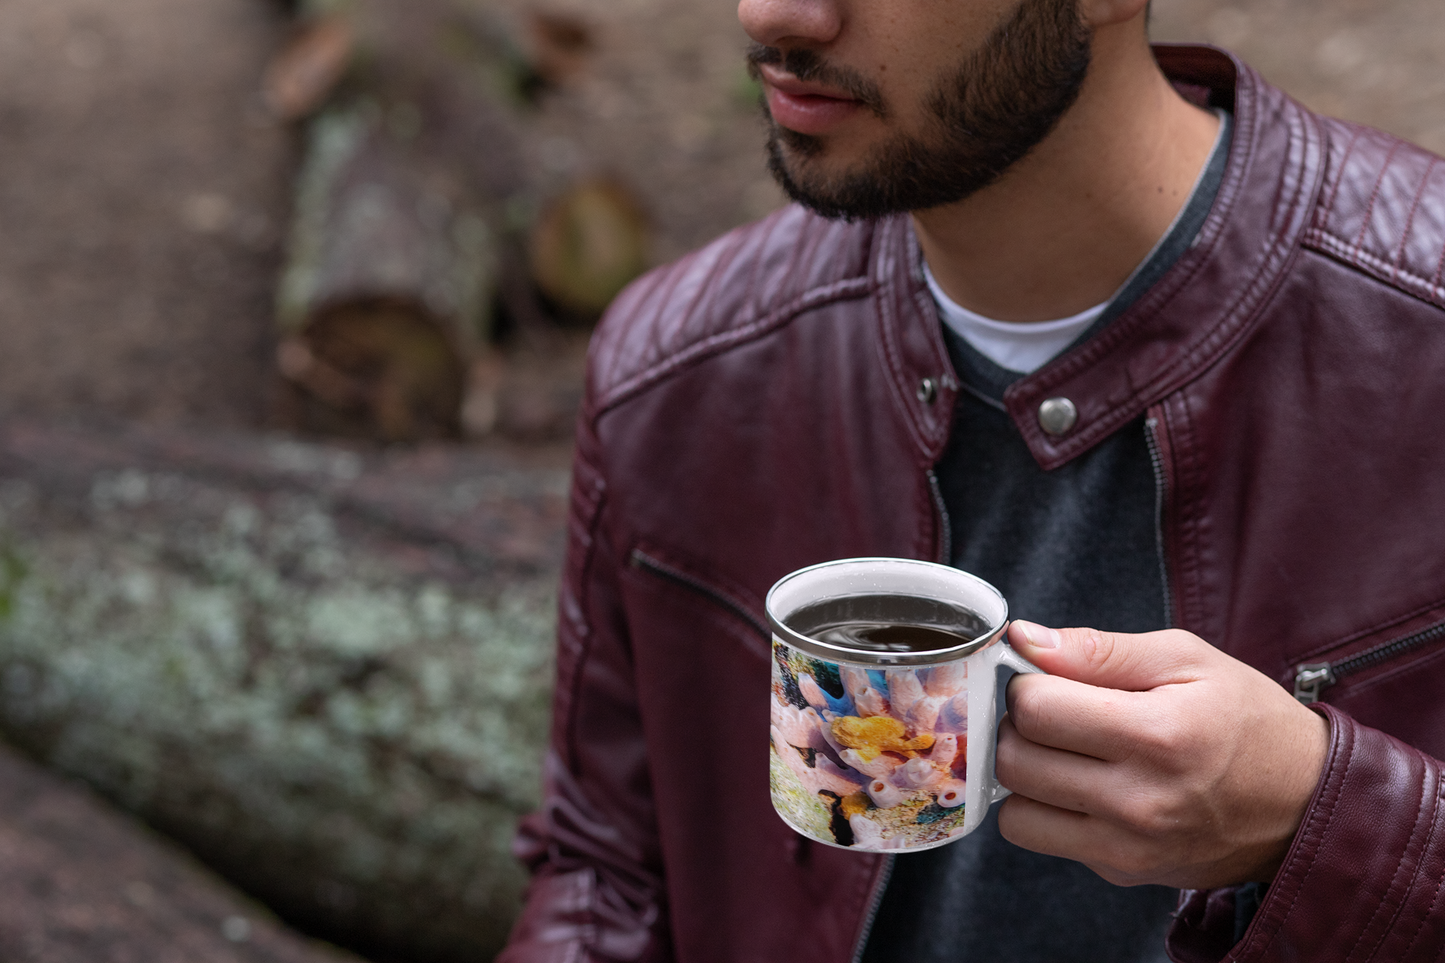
911 53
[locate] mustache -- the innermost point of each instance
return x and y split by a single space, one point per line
809 66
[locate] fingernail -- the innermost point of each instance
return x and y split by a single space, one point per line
1038 636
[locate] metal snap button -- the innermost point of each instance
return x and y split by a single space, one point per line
927 390
1057 416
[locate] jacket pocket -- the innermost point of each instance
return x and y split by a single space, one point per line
1392 679
732 599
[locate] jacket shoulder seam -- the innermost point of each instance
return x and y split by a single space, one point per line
721 341
1395 274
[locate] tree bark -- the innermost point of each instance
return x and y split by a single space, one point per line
386 297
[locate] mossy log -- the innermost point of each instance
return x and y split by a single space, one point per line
326 672
385 299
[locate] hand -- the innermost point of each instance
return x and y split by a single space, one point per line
1154 758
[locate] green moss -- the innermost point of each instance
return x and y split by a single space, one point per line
12 572
297 707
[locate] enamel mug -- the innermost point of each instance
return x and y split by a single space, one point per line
887 677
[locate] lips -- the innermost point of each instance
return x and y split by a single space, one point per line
804 107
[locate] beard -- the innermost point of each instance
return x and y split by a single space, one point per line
982 117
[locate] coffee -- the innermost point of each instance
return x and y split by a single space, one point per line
888 623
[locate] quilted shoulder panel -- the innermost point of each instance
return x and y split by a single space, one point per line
735 288
1382 209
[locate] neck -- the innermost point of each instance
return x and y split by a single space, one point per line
1064 228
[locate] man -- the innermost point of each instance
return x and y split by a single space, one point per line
1154 350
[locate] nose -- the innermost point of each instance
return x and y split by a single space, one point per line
775 23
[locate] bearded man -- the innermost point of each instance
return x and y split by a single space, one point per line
1131 335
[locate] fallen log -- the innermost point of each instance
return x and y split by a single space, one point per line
589 243
387 294
324 669
414 219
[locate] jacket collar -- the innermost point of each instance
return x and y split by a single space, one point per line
1194 315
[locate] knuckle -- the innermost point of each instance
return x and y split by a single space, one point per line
1135 863
1005 755
1165 742
1147 815
1097 647
1027 706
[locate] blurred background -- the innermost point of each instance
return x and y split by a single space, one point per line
293 304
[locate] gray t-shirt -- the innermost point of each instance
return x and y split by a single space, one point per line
1074 546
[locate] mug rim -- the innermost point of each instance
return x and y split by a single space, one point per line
836 653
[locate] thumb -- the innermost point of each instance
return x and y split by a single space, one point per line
1113 660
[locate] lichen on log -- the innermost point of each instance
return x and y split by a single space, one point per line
387 291
335 707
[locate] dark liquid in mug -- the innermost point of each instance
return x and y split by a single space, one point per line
888 623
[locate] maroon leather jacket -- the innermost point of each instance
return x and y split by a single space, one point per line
780 398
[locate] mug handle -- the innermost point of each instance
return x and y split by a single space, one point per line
1001 663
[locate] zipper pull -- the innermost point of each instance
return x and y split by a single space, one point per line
1309 679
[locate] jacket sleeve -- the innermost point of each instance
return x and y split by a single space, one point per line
597 891
1364 879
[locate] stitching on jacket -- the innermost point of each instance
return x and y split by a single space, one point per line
1401 279
1380 626
1189 535
1419 871
1439 278
651 302
1273 267
585 635
1233 327
699 308
1328 211
893 360
1409 887
737 595
866 883
803 256
1369 214
1315 838
1414 209
886 294
922 302
837 291
755 271
1157 298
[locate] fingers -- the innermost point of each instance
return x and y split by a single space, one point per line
1043 828
1080 718
1115 855
1154 758
1066 780
1114 660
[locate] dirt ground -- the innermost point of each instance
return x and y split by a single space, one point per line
142 197
1372 61
144 192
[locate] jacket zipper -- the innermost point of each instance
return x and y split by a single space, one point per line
1313 677
1161 492
641 559
945 526
873 906
946 558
